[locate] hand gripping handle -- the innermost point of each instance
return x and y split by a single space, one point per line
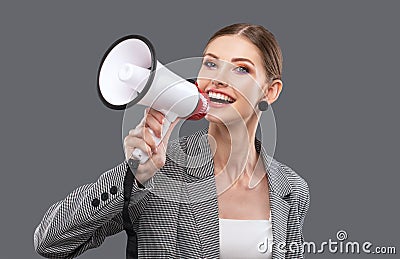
138 154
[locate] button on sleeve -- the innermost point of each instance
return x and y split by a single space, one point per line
104 196
95 202
114 190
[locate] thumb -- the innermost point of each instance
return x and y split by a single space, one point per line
169 131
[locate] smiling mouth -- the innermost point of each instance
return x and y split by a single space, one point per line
220 98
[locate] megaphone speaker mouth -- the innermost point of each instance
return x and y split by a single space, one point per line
126 72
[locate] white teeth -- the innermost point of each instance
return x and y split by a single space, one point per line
220 96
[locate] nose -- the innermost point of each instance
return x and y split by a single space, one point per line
222 75
218 83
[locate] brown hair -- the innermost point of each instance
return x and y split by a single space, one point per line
263 39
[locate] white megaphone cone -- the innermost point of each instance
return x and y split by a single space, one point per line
130 74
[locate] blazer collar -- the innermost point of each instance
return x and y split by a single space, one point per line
203 199
200 163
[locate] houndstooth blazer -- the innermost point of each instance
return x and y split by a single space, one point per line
175 215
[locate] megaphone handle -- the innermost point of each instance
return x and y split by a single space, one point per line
138 154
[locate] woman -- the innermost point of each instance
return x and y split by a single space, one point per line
213 194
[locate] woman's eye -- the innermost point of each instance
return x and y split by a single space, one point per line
210 64
242 70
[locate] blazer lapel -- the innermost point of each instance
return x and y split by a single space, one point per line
279 189
279 216
202 195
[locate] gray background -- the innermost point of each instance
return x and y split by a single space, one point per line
337 118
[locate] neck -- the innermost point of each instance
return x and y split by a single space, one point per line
236 161
233 147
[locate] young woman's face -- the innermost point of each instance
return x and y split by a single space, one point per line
233 76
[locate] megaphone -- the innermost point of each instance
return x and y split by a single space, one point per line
130 74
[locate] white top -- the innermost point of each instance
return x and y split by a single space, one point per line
245 238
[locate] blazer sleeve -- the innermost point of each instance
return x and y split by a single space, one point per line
88 215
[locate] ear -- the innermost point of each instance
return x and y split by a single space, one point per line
272 90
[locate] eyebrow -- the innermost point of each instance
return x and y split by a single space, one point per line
233 60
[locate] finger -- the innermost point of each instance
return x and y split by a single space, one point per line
158 115
133 142
142 133
154 113
135 132
154 125
128 152
169 131
149 139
